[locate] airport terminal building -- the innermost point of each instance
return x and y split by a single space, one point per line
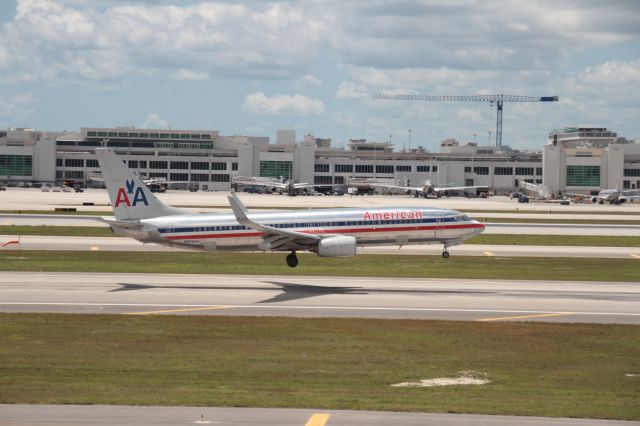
573 159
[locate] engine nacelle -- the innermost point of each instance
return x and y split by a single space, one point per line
340 245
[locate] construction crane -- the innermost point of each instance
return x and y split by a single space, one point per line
497 99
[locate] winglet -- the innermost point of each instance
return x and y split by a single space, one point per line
240 212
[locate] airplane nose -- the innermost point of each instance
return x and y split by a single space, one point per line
479 226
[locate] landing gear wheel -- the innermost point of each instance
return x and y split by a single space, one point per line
445 254
292 259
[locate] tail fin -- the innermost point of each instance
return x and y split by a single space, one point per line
130 198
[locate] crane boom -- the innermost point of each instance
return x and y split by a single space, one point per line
499 99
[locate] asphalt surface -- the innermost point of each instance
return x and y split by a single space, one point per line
443 299
63 415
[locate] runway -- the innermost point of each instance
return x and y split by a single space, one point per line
36 242
442 299
68 415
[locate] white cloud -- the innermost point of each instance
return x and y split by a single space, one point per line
154 121
259 103
185 74
64 41
308 82
16 108
349 90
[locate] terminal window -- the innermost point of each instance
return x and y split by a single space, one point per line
344 168
400 168
524 171
322 168
16 165
74 162
384 169
481 170
199 165
276 169
322 180
219 178
583 175
423 168
364 168
199 177
503 171
162 165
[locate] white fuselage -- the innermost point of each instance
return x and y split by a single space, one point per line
407 225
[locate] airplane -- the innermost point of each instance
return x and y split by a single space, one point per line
540 191
288 186
427 188
611 196
326 232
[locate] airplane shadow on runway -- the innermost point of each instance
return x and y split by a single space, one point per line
292 291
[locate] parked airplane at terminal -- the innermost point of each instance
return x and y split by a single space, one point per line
427 188
288 186
611 196
327 232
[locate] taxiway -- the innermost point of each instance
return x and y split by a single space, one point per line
295 296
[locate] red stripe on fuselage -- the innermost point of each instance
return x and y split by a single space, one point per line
330 231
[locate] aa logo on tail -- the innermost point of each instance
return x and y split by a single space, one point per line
124 196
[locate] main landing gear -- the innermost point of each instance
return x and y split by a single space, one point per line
445 253
292 259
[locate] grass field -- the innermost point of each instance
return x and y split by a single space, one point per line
369 265
535 369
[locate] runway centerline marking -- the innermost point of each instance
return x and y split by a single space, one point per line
166 311
559 314
318 420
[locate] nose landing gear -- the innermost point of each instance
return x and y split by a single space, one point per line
292 259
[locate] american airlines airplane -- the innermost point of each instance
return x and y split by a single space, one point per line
427 188
327 232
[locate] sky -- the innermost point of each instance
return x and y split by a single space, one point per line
253 67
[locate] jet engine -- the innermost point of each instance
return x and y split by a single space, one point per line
339 245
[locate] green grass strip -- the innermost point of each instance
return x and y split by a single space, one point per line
365 265
555 240
552 221
535 369
68 231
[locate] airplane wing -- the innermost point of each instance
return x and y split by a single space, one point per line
273 238
458 188
405 188
303 185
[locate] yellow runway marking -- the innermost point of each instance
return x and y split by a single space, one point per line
166 311
488 253
318 420
94 248
559 314
637 256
